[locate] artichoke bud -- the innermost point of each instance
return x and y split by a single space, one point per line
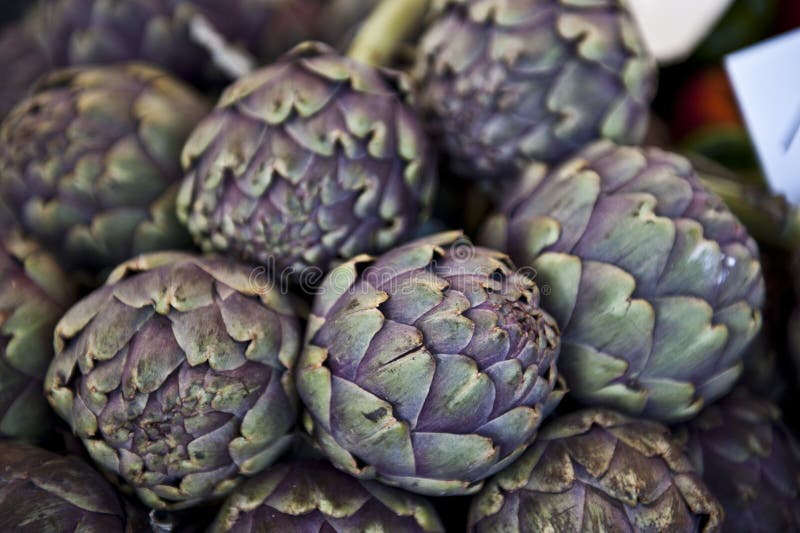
596 470
175 376
750 460
507 83
311 495
307 163
42 491
90 162
429 368
34 293
657 286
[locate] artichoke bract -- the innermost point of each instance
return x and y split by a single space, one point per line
313 496
655 284
429 368
510 82
42 492
596 470
91 162
175 376
750 461
34 294
309 161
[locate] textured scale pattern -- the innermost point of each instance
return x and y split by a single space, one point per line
65 33
656 285
510 81
34 293
175 376
91 162
596 470
430 367
750 461
314 497
307 162
44 492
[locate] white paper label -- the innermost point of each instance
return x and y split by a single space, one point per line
766 80
674 28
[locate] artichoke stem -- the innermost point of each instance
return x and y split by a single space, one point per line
385 30
771 219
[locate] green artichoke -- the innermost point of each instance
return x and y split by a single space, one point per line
596 470
175 376
43 492
91 165
429 368
750 461
34 293
510 82
66 33
307 162
656 286
312 496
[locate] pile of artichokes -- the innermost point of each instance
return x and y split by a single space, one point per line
253 282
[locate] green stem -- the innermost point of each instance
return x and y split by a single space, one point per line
387 27
771 219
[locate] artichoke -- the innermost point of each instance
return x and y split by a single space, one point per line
657 287
175 376
510 82
429 368
312 496
91 165
596 470
307 162
65 33
44 492
34 293
750 461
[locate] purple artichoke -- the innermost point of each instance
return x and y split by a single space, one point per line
306 163
34 293
43 492
657 287
596 470
429 368
91 162
750 461
175 376
312 496
65 33
508 82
